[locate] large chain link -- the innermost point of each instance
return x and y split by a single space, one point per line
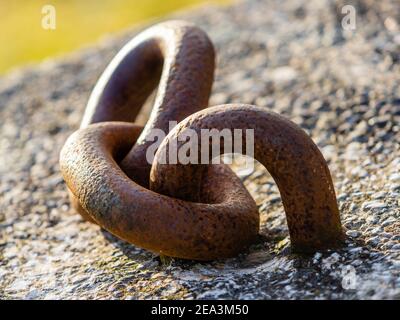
190 211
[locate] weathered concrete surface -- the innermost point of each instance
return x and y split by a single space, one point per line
290 56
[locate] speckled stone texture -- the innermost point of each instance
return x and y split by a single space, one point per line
292 57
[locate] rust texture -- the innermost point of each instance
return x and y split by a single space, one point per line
179 58
203 231
286 151
200 212
176 56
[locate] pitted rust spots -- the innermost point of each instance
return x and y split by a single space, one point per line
175 55
179 58
291 157
148 219
200 212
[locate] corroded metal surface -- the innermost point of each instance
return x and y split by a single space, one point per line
148 219
175 55
289 154
186 57
198 212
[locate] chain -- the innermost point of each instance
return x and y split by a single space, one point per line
192 211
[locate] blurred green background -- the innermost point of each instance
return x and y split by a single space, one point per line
78 22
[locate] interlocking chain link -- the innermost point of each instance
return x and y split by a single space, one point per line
190 211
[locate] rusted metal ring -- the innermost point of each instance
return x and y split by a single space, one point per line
203 231
175 55
106 170
287 152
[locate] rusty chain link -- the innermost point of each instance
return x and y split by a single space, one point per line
191 211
